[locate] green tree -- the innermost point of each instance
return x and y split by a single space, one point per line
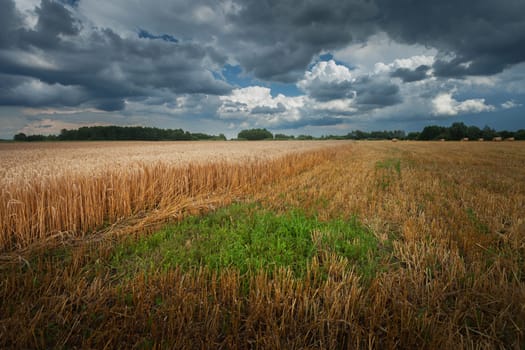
284 137
520 134
35 138
414 135
357 135
473 132
505 134
255 134
458 131
20 137
488 133
432 132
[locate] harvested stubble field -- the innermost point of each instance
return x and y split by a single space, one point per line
323 245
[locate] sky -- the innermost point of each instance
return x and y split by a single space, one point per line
295 67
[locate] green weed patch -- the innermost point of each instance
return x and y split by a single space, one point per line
249 238
389 170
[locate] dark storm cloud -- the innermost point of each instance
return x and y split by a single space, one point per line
409 75
322 121
325 121
22 91
269 110
374 93
91 52
366 92
328 91
480 37
54 19
106 67
277 39
109 104
10 21
8 81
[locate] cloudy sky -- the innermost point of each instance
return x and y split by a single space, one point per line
299 67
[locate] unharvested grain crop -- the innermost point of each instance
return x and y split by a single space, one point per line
72 202
450 229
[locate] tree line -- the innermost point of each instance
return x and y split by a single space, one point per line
120 133
263 134
457 131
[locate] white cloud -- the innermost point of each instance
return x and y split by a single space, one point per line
380 48
328 81
510 104
27 8
59 111
338 106
444 104
203 14
405 63
325 72
258 107
251 96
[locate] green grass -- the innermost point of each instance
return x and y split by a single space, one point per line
249 238
480 226
389 169
390 163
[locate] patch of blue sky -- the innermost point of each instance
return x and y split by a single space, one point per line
493 98
144 34
328 57
507 119
234 75
73 3
289 90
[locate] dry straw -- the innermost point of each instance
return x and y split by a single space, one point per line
74 205
449 218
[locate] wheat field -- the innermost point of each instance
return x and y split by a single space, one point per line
27 162
447 222
57 190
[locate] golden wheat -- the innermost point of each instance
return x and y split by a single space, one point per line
25 162
72 203
452 277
